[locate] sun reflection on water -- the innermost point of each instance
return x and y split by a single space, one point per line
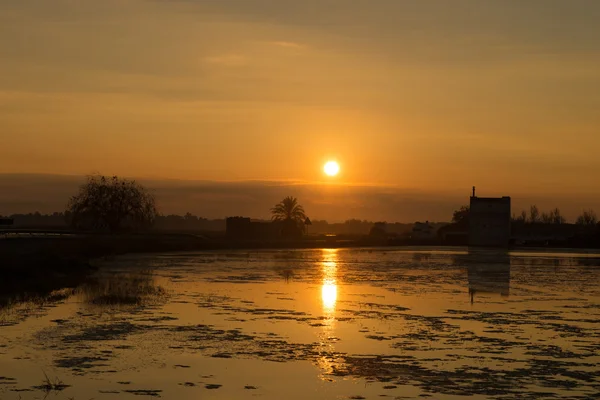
329 298
329 287
329 295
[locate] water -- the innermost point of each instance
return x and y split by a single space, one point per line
317 324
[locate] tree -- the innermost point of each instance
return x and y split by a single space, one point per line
534 214
112 203
288 209
461 216
307 222
588 217
521 218
378 230
557 217
546 218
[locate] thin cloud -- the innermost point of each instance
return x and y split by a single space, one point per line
228 60
289 45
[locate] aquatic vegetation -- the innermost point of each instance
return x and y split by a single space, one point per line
51 385
122 289
144 392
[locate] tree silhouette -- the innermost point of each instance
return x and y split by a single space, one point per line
521 218
461 216
556 217
588 217
112 204
288 209
534 214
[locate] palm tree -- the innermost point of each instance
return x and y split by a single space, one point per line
288 209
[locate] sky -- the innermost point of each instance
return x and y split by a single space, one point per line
419 99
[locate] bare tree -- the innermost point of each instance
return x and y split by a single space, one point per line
546 218
112 203
588 217
521 218
557 217
534 214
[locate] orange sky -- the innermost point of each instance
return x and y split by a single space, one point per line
428 95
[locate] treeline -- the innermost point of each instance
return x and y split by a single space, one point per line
554 216
61 220
363 227
56 220
188 223
192 223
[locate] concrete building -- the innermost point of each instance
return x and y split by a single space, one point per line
241 228
489 221
246 229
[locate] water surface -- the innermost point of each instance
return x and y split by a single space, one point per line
322 324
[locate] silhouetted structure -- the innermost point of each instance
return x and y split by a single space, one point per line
454 235
6 221
489 221
246 229
423 231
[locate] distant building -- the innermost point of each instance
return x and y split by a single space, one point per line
246 229
454 235
423 230
489 221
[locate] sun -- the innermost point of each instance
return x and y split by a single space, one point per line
331 168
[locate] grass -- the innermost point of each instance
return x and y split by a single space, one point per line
48 385
122 289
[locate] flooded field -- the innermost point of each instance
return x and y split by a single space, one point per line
315 324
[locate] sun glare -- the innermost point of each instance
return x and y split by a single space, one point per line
329 295
331 168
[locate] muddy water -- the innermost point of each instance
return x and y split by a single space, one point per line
318 324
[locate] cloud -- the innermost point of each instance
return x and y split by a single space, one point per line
228 60
290 45
20 193
430 93
23 193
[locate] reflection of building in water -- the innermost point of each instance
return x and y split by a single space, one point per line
488 272
329 296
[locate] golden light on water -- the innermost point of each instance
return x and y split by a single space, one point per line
329 298
329 295
329 290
